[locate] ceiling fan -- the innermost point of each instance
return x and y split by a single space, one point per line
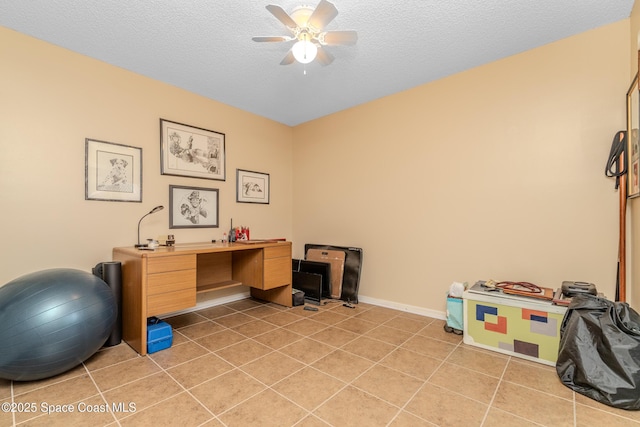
307 25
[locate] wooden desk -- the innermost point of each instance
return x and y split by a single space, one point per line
168 278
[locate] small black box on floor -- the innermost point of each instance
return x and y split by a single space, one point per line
297 297
159 335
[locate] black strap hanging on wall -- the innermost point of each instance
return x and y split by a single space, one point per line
617 167
618 147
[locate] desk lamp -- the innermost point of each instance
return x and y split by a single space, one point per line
154 210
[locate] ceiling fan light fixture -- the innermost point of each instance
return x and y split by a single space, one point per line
304 51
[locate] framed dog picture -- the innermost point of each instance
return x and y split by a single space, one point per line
252 187
112 172
190 151
193 207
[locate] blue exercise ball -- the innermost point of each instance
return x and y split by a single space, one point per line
51 321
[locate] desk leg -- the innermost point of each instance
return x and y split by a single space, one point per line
281 295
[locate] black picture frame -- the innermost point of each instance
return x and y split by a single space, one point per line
112 172
252 187
193 207
191 151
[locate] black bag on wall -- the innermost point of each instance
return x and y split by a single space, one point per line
599 353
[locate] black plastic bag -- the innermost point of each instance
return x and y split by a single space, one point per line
599 353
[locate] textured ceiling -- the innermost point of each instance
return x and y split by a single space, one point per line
205 46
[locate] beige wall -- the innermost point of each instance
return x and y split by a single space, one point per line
52 99
497 172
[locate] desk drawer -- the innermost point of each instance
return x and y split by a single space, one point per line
170 263
170 301
161 283
278 251
277 272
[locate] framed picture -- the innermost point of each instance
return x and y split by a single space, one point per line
193 207
633 124
112 172
191 151
252 187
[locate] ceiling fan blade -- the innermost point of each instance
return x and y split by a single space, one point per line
338 37
288 59
324 57
271 38
282 16
324 13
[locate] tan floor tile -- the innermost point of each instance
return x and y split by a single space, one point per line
261 311
307 350
177 354
445 408
182 320
472 384
526 403
245 304
143 393
353 407
179 411
5 388
253 328
487 362
389 335
368 348
125 372
60 393
21 387
342 365
6 417
306 327
587 416
329 317
407 324
263 410
346 311
436 330
232 320
278 338
377 315
405 419
429 347
587 401
498 418
90 412
387 354
388 384
282 318
220 340
356 325
308 387
201 329
411 363
226 391
540 377
199 370
215 312
243 352
311 421
334 336
272 368
110 356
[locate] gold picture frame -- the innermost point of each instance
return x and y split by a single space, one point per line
633 153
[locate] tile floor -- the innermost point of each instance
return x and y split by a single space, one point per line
250 363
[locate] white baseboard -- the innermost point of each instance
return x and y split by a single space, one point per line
404 307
